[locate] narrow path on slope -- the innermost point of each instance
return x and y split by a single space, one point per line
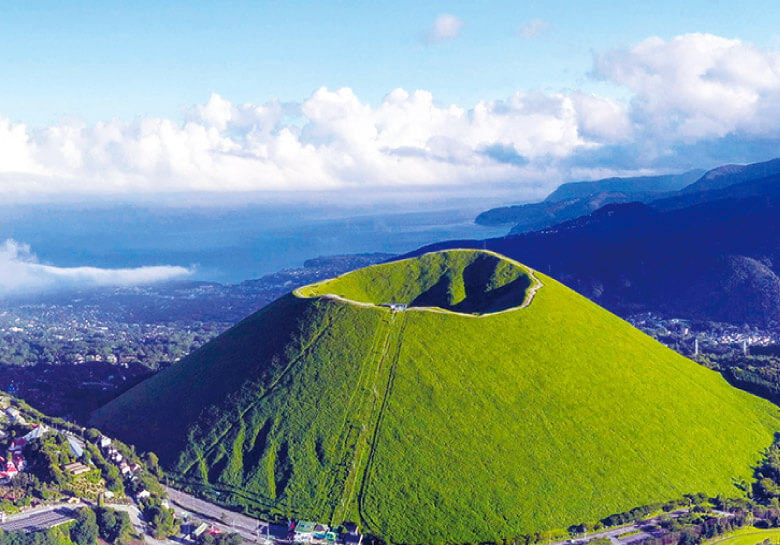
365 518
352 437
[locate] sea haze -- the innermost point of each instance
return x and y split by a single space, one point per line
226 244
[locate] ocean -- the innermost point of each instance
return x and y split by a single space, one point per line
227 244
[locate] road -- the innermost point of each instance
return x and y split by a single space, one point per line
644 529
134 513
250 529
40 519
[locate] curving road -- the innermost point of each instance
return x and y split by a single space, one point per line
644 529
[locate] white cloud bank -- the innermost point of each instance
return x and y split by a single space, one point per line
688 93
21 273
342 142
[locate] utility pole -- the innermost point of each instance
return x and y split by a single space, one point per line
695 347
744 347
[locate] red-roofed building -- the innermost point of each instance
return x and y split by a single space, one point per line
9 471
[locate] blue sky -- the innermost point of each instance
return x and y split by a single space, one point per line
152 58
236 96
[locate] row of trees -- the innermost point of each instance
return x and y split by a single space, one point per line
52 536
767 486
638 513
110 525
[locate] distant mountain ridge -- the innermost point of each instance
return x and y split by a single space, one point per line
637 184
669 192
712 255
727 175
575 199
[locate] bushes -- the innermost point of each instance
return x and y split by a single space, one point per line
160 519
220 539
108 471
85 530
113 526
52 536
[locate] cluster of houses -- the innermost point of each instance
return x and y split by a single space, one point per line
301 531
304 531
129 471
717 333
14 463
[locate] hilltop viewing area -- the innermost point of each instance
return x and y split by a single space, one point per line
472 282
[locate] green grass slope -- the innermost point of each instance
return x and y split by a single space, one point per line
434 426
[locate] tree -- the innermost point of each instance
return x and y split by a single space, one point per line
152 463
233 538
123 527
162 521
106 521
85 530
114 526
92 435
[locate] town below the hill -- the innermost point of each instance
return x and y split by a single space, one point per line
68 354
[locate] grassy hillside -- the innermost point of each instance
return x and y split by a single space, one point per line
431 427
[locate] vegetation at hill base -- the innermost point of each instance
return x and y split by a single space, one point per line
53 536
207 538
432 427
113 526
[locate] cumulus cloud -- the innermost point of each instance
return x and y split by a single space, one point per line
533 28
691 98
21 273
445 27
698 86
331 140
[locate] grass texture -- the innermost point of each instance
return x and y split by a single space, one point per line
434 427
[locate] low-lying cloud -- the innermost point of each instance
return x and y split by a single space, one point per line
22 274
691 98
